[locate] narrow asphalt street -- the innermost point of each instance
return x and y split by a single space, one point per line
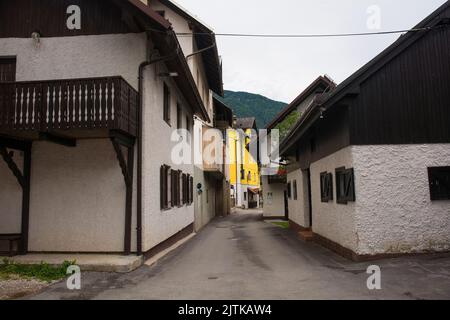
243 257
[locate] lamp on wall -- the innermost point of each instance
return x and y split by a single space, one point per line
36 36
322 110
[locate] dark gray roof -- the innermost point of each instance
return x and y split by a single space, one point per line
246 123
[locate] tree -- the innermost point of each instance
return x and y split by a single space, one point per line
287 124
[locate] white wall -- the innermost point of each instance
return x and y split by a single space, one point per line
332 220
299 209
275 207
157 148
394 210
188 46
77 194
77 199
10 196
77 57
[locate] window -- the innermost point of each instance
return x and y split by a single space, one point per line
295 190
345 185
326 186
439 179
289 190
245 196
164 187
166 104
179 119
7 69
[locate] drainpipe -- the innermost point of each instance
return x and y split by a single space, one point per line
142 67
200 51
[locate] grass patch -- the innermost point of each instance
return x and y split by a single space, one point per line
43 272
282 224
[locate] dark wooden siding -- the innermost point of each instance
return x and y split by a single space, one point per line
20 18
7 69
328 135
408 100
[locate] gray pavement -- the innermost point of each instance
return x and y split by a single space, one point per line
243 257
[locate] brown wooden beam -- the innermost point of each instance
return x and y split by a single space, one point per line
129 202
121 158
13 143
127 167
26 199
24 179
58 139
12 166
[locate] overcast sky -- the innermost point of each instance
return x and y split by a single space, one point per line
281 68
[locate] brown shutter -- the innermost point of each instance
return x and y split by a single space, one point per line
172 188
161 186
188 189
191 195
178 187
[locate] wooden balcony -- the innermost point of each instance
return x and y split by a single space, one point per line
214 166
73 108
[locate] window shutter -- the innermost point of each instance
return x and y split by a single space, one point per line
166 102
326 186
179 177
289 190
345 185
192 190
188 189
295 190
172 188
184 188
350 185
164 185
161 186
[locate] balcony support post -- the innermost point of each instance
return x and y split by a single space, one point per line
23 178
127 167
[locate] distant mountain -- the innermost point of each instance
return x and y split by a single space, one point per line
246 104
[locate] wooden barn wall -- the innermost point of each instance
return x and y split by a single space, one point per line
329 134
408 100
20 18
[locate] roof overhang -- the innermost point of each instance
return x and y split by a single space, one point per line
164 38
204 38
350 88
322 83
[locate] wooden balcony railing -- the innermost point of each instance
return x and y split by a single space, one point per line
56 105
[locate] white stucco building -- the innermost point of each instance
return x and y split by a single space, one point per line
88 120
369 164
200 48
278 199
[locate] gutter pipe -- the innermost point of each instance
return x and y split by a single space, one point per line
142 67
